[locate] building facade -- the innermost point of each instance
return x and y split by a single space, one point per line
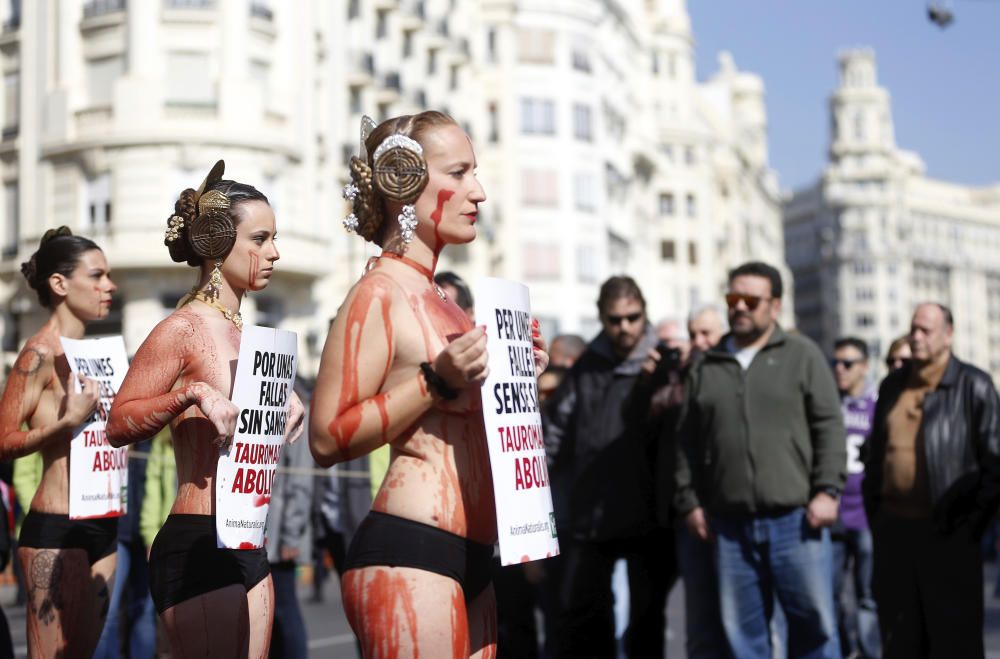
875 236
599 150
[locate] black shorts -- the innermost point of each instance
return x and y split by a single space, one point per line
185 562
97 537
397 542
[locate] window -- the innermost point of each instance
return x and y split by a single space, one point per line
491 44
453 78
539 188
260 72
582 122
541 261
586 264
494 118
585 191
863 268
538 116
864 320
189 79
407 43
98 202
667 250
690 156
353 8
536 46
11 226
580 56
381 24
666 203
431 61
11 99
692 205
355 99
101 76
692 254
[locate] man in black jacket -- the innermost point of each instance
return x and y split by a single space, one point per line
601 468
932 484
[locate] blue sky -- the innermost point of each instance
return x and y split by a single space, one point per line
944 84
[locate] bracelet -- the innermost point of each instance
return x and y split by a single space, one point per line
436 383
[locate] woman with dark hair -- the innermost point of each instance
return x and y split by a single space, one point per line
213 602
402 366
68 565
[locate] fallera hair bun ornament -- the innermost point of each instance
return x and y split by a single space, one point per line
212 233
400 172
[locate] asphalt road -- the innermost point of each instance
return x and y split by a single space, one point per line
330 636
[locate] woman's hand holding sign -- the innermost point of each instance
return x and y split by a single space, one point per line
463 362
538 348
296 416
219 410
79 405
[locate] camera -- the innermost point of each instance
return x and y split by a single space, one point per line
670 358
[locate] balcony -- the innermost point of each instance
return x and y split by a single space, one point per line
189 4
262 11
95 8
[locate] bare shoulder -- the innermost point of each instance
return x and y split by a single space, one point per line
375 288
38 353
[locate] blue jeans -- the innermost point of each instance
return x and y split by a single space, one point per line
703 621
131 573
762 557
289 638
859 631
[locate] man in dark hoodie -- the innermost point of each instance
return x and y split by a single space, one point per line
760 467
601 466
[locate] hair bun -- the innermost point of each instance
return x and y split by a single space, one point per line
369 215
186 208
30 267
52 234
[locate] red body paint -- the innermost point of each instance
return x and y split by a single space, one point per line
254 269
443 197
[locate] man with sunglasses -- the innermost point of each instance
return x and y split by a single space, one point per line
932 485
760 467
852 539
601 465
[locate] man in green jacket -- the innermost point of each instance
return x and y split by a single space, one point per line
760 465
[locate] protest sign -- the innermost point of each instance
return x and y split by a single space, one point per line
525 521
98 472
265 377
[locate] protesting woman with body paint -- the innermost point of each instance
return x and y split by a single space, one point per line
68 564
402 365
213 602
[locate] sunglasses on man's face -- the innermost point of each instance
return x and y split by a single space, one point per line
848 364
617 320
751 301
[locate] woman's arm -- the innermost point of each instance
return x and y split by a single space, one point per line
34 367
147 400
349 414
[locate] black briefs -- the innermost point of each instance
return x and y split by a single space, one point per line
98 537
397 542
185 562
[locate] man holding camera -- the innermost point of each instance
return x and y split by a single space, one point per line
601 467
760 466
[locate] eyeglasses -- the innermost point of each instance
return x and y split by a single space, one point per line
617 320
752 301
846 363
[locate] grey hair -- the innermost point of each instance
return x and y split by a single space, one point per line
714 308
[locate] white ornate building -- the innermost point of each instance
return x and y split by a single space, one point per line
599 151
874 236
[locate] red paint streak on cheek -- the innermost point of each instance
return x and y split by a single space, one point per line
254 269
443 197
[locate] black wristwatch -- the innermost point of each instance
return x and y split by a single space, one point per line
829 490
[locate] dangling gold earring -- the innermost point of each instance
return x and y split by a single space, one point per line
214 288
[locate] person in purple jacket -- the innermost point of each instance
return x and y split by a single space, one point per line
852 540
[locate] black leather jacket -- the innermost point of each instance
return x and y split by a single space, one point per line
961 442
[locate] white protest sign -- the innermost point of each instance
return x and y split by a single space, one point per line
525 521
265 377
98 472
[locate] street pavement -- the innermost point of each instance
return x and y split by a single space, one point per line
330 636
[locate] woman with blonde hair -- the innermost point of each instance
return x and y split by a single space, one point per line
402 366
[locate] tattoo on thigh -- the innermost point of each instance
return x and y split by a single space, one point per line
46 573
